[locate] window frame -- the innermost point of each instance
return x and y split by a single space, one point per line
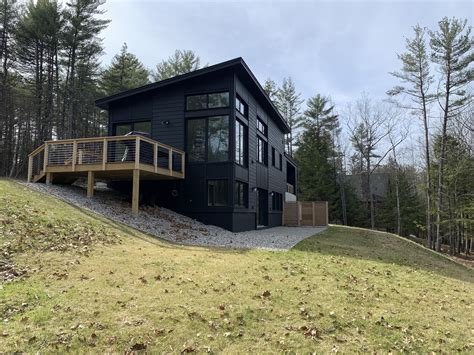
277 201
206 135
132 124
207 101
261 141
241 160
262 124
245 187
243 103
226 181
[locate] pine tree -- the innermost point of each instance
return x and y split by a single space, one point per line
81 47
271 89
181 62
289 103
452 50
124 73
416 79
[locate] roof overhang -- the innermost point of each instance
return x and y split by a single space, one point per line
238 64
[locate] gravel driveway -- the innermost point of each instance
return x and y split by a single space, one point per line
171 226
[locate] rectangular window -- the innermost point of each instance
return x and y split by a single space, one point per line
217 193
196 102
207 101
281 161
241 106
241 194
261 151
277 201
241 145
261 127
196 140
218 100
124 128
218 139
273 157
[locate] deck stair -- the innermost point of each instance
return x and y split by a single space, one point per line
115 158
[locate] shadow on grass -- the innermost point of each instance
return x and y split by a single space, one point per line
383 247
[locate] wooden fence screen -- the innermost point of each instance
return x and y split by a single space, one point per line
299 213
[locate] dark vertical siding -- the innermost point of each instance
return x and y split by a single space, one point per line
167 105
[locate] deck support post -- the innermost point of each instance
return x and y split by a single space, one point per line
30 168
313 212
90 183
135 191
49 178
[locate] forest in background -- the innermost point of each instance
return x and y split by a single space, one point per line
51 74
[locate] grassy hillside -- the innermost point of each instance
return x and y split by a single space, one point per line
93 285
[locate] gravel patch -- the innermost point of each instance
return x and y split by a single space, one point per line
174 227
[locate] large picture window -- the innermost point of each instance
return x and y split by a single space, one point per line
217 193
208 139
241 145
218 138
241 194
196 140
207 101
261 151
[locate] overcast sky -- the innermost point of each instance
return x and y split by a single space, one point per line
336 48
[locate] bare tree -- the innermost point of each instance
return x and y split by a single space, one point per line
370 127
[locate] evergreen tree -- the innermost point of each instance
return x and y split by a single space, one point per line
124 73
452 50
416 79
271 89
181 62
81 48
289 103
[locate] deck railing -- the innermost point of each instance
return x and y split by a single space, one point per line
106 153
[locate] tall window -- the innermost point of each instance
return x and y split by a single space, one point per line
261 127
241 146
207 101
276 159
277 201
218 139
217 193
196 139
208 141
241 106
241 194
261 151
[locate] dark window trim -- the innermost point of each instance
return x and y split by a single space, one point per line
246 144
265 152
207 100
206 159
227 205
265 127
115 124
246 106
277 201
246 194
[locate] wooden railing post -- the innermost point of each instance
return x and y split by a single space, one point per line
182 163
45 157
313 212
170 161
30 168
74 155
137 152
104 153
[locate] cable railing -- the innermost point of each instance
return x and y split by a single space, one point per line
106 153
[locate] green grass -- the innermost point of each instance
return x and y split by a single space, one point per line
348 290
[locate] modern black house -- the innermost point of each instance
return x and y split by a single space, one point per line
237 173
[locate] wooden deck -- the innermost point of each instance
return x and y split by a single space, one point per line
115 158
